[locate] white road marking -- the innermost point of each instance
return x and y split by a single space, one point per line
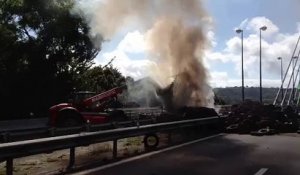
143 156
261 171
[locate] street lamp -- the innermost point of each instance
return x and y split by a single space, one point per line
263 28
242 40
281 76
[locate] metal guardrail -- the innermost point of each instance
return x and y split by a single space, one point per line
36 133
136 117
9 151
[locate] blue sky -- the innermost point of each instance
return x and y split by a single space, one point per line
223 58
228 14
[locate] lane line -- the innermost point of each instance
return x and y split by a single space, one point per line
261 171
144 155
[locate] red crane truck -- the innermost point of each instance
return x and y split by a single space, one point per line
87 107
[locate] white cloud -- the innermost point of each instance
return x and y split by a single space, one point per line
211 38
137 68
219 79
256 23
282 45
132 43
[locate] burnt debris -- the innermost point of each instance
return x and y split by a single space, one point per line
254 118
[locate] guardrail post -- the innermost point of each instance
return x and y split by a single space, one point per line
88 126
72 158
154 118
51 131
115 149
9 166
169 137
114 124
138 122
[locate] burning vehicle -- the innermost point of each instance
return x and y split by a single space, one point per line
111 106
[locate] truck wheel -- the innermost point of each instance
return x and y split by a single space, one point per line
151 141
69 118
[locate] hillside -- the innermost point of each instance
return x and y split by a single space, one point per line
233 95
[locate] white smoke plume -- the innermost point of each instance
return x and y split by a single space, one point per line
174 38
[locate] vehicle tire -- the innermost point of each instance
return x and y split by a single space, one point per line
69 118
151 141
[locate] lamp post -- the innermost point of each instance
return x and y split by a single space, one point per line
263 28
281 76
242 55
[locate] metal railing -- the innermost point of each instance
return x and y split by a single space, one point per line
36 133
9 151
289 68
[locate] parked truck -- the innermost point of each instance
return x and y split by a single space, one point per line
87 107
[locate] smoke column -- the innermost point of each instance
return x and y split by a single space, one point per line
174 40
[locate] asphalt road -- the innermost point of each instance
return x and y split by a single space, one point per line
227 154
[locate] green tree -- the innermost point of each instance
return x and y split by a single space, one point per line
43 50
99 79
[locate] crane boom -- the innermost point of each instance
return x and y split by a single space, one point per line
103 96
